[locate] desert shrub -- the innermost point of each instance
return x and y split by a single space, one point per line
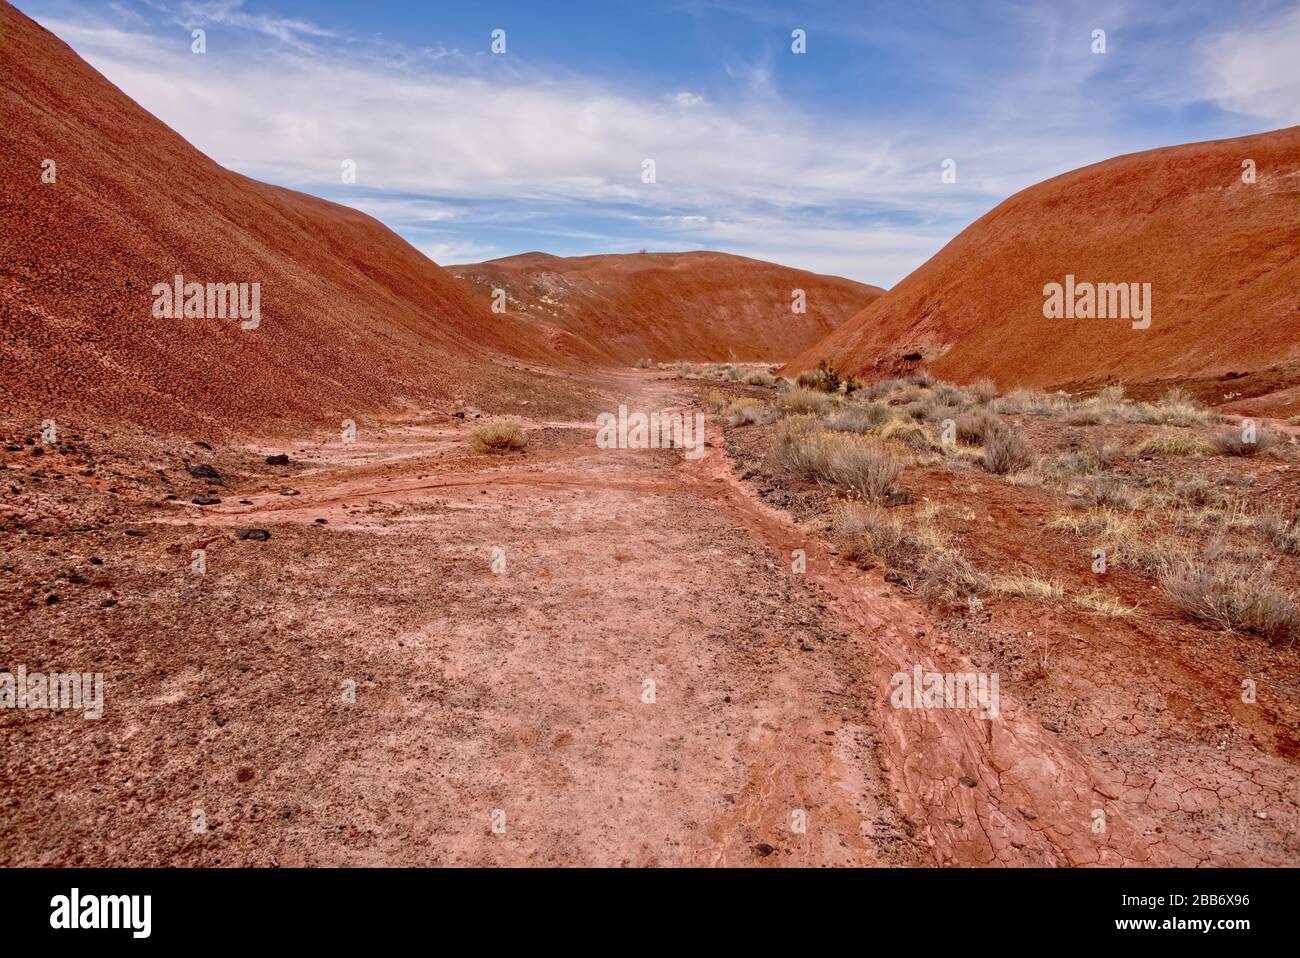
1169 442
1031 402
1197 493
883 388
1238 442
1234 598
983 390
972 427
800 401
1176 408
921 378
1111 395
498 437
949 394
918 551
1005 451
859 417
1089 414
909 433
760 378
745 410
1294 421
803 450
1087 459
1105 493
859 465
716 400
1281 533
824 378
645 364
936 409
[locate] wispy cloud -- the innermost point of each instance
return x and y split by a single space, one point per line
485 153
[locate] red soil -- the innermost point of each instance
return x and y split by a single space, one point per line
1222 258
352 315
666 306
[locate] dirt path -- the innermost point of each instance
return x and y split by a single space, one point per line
642 682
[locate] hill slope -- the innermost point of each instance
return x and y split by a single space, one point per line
667 306
352 316
1222 257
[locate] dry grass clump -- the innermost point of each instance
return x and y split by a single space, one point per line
1281 533
907 432
804 450
745 411
1028 587
1177 409
1169 442
1106 493
1032 402
972 427
1104 603
799 401
859 417
496 437
1005 451
983 390
1197 493
1111 395
1294 421
918 551
760 377
645 364
1244 441
1088 459
1234 598
1088 414
1126 538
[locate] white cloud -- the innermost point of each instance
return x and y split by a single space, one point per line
848 194
1257 71
445 254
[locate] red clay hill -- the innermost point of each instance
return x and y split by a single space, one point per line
1222 257
352 316
700 306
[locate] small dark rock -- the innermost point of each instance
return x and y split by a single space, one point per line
135 532
279 459
763 849
203 471
245 774
321 521
205 500
289 492
967 781
51 599
1051 726
108 603
256 535
900 498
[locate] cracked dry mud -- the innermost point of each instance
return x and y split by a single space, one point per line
523 693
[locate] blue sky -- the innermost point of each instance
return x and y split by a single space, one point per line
828 160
